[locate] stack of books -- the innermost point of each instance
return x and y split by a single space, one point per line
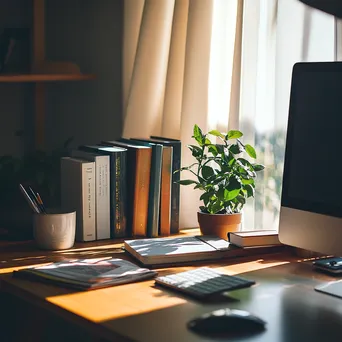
123 188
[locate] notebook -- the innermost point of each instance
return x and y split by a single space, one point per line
157 251
87 274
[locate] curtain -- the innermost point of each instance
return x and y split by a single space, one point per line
222 64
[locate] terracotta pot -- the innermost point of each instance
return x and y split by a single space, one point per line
219 224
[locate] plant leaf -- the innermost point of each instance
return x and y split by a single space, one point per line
258 167
229 195
207 171
199 186
216 133
250 190
187 182
236 148
233 134
247 181
233 183
198 135
251 151
213 149
216 207
241 199
220 148
195 151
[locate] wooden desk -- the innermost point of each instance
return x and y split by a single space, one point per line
283 296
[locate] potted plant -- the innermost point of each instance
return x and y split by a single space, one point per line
225 178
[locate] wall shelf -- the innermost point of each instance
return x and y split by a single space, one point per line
17 78
43 71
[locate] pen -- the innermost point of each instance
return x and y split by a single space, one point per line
35 199
40 201
31 203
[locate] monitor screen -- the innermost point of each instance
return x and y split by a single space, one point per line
311 204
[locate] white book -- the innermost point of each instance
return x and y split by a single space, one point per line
159 251
102 188
78 193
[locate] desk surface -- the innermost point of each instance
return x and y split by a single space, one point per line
283 297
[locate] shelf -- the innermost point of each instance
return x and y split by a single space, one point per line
17 78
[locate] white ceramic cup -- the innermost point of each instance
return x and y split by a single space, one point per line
55 230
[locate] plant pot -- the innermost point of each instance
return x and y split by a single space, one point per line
219 224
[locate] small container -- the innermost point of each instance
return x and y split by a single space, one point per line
55 230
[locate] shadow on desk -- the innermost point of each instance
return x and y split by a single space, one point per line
16 325
284 297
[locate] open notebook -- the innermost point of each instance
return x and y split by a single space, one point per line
87 274
158 251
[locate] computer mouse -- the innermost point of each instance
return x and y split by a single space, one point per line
227 321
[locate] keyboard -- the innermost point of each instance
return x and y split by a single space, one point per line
203 282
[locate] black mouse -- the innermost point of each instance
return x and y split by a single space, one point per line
227 321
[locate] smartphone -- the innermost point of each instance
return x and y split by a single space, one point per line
330 265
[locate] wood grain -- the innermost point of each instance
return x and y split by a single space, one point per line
22 78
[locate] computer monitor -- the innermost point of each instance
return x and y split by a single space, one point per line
311 203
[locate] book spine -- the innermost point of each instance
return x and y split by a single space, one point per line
165 196
175 190
154 193
78 194
102 198
119 193
141 192
88 202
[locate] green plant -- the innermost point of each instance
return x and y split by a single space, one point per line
225 178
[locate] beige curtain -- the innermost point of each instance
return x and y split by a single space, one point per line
171 52
222 64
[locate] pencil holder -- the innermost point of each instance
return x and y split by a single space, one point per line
55 230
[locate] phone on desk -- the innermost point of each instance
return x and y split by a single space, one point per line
330 265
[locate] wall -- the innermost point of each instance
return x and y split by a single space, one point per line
89 33
15 99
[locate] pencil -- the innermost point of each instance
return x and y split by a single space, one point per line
40 201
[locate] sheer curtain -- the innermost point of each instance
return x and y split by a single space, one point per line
223 64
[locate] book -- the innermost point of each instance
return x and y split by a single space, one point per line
102 191
155 185
165 187
87 274
254 238
175 190
138 185
118 186
168 250
165 192
78 193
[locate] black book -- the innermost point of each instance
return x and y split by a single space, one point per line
175 190
155 185
138 185
118 186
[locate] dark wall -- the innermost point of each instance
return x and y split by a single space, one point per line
15 99
88 33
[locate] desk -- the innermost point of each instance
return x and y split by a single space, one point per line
283 297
